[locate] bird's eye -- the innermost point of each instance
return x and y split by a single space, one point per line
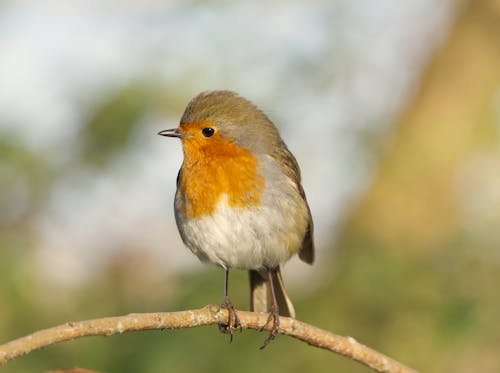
207 131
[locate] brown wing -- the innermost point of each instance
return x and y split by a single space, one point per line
306 253
291 168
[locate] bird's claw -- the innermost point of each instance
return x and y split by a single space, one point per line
233 321
275 318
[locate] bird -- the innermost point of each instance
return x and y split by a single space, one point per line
239 202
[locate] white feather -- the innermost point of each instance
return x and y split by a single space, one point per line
249 238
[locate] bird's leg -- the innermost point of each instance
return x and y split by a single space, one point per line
233 321
274 314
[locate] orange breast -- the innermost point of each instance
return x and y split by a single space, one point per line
215 168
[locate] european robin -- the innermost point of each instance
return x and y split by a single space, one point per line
239 201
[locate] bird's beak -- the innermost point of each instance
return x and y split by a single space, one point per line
174 132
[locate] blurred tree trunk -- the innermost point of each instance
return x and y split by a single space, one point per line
413 204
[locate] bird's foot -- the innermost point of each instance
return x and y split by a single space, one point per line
233 321
274 316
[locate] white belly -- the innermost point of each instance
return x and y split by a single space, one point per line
250 238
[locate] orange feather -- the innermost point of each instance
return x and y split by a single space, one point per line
214 167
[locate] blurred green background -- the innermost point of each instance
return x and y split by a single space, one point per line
412 270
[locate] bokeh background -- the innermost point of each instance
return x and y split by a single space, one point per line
392 109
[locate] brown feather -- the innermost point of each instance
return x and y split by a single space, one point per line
291 168
260 293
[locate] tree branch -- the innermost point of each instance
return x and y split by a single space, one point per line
209 315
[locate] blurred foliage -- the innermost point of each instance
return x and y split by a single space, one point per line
407 278
110 128
25 178
114 123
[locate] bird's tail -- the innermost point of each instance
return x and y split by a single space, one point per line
261 296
